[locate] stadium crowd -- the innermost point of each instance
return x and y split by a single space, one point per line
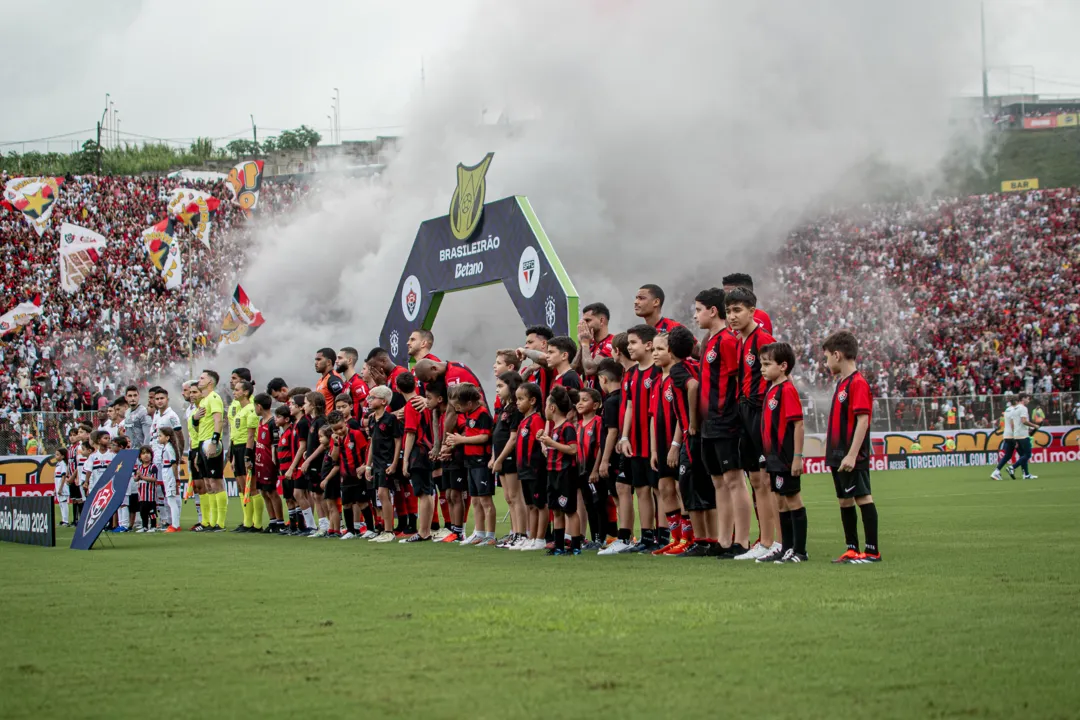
122 322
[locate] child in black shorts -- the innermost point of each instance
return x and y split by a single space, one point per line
383 453
474 438
562 479
532 465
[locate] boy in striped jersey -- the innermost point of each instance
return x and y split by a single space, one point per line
634 443
782 439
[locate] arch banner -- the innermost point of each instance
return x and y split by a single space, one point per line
479 244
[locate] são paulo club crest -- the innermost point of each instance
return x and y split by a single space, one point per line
773 404
751 358
710 356
101 501
528 271
842 397
410 297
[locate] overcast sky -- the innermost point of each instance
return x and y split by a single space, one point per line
199 68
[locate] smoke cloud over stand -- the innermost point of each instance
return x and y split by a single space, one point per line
658 142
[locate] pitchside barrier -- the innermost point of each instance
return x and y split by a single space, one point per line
28 520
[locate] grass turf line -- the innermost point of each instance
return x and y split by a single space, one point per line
974 612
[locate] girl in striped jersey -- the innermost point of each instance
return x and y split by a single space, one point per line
147 475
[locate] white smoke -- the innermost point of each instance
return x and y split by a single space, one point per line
658 142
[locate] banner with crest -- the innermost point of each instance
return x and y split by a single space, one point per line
164 253
195 210
244 182
34 197
78 254
241 320
19 315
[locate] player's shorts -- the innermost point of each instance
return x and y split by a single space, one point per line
750 448
695 484
382 479
721 455
533 486
74 491
509 465
266 485
664 470
301 482
354 493
422 482
562 490
210 468
785 484
481 482
640 473
314 481
132 501
851 484
455 478
238 455
193 465
333 488
287 489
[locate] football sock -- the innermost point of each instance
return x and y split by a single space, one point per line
869 521
612 516
348 514
687 529
64 511
648 535
249 511
211 509
309 518
624 534
198 508
222 508
258 507
787 530
850 520
673 529
798 518
560 538
125 516
369 518
575 542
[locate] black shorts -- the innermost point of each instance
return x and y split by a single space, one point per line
133 500
422 482
238 454
381 479
562 490
354 494
665 470
210 468
193 465
481 482
301 482
721 455
455 478
333 488
851 484
267 486
695 485
750 448
640 473
509 465
785 484
74 492
533 486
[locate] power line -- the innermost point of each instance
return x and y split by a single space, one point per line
43 139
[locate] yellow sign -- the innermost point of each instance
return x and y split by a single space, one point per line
1017 185
467 205
1066 120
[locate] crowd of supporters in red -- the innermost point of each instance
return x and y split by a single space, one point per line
976 295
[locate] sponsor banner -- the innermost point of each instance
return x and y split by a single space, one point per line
942 460
1020 185
1040 123
27 490
27 469
1067 120
105 500
28 520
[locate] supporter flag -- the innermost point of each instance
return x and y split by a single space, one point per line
195 209
78 254
34 197
241 319
244 182
164 252
20 315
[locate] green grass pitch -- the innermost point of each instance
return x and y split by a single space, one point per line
975 612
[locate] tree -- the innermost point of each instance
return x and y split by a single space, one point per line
298 139
270 145
240 148
202 148
86 160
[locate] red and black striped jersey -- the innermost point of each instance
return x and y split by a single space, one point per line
588 432
418 422
670 406
357 390
565 434
783 408
763 320
569 380
352 454
851 399
265 471
541 376
637 392
718 392
286 448
457 373
598 349
476 423
752 385
666 325
529 453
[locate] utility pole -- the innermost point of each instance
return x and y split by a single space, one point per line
337 115
99 152
254 134
985 83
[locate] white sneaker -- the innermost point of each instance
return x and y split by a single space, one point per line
1031 477
533 545
141 530
347 536
320 534
151 530
770 554
384 537
616 548
752 554
370 535
473 539
440 534
996 475
506 544
520 543
485 541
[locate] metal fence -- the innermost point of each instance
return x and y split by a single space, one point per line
963 412
39 433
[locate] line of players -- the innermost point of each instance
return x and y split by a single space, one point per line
579 434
